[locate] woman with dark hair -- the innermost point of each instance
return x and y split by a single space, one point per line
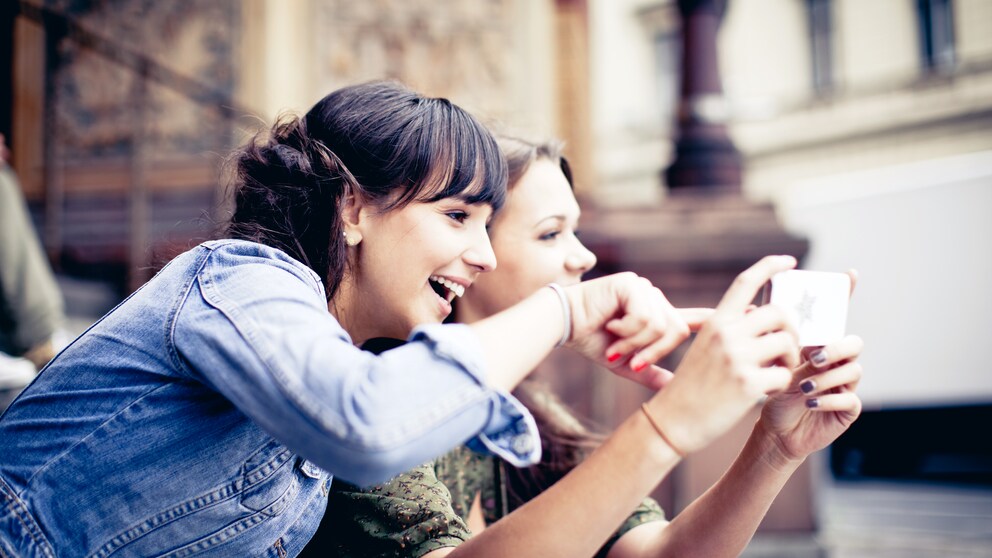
572 502
207 413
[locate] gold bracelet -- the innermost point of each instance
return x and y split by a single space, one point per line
657 428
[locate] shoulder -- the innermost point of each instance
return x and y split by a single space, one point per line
243 252
462 465
260 291
466 473
253 264
412 486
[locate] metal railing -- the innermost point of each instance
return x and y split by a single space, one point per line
59 27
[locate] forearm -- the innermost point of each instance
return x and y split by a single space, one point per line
292 368
580 512
359 416
722 521
516 340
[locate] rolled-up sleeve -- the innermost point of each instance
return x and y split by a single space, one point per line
255 326
511 432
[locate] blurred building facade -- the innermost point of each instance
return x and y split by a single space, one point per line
868 125
120 113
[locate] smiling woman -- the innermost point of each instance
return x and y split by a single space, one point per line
584 500
208 412
411 263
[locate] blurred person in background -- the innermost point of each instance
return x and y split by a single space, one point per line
31 306
208 412
450 506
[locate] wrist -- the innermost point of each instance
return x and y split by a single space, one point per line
566 310
660 430
577 311
671 424
770 450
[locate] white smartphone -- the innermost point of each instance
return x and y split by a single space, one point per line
814 301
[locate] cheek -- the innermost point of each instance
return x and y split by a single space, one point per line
532 268
499 289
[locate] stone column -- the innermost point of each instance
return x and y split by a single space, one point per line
573 118
705 157
692 245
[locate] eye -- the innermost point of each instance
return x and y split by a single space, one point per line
457 215
550 235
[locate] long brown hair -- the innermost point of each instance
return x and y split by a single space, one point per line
565 440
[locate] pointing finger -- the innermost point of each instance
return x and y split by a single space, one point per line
745 286
695 317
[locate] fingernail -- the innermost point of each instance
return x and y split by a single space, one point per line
812 402
819 358
807 386
613 358
638 366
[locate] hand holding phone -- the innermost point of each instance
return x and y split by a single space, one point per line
814 301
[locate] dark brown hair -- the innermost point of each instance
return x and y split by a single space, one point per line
377 140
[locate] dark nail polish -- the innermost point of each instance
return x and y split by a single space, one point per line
812 403
807 386
819 358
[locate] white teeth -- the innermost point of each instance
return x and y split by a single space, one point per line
453 287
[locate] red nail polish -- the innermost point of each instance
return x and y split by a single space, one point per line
640 366
614 357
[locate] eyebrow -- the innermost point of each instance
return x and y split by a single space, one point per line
558 217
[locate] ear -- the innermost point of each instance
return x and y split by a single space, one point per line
354 211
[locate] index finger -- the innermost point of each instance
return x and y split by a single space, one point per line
745 286
653 377
695 317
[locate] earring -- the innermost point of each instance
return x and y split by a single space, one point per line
351 240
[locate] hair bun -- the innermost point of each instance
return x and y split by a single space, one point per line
289 157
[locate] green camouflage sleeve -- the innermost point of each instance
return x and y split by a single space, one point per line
408 516
648 511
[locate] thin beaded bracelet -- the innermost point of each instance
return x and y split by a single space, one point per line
566 309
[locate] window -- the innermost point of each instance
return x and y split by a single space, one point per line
668 69
821 45
936 24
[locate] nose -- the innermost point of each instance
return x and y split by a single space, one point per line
481 255
580 259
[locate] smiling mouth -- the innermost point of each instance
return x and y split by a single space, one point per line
446 289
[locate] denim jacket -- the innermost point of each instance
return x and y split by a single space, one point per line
207 413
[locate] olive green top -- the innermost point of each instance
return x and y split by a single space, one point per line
425 509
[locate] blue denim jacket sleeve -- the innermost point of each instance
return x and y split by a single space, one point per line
255 326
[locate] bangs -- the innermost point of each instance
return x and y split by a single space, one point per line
453 156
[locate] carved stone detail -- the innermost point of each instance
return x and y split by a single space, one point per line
98 96
451 48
